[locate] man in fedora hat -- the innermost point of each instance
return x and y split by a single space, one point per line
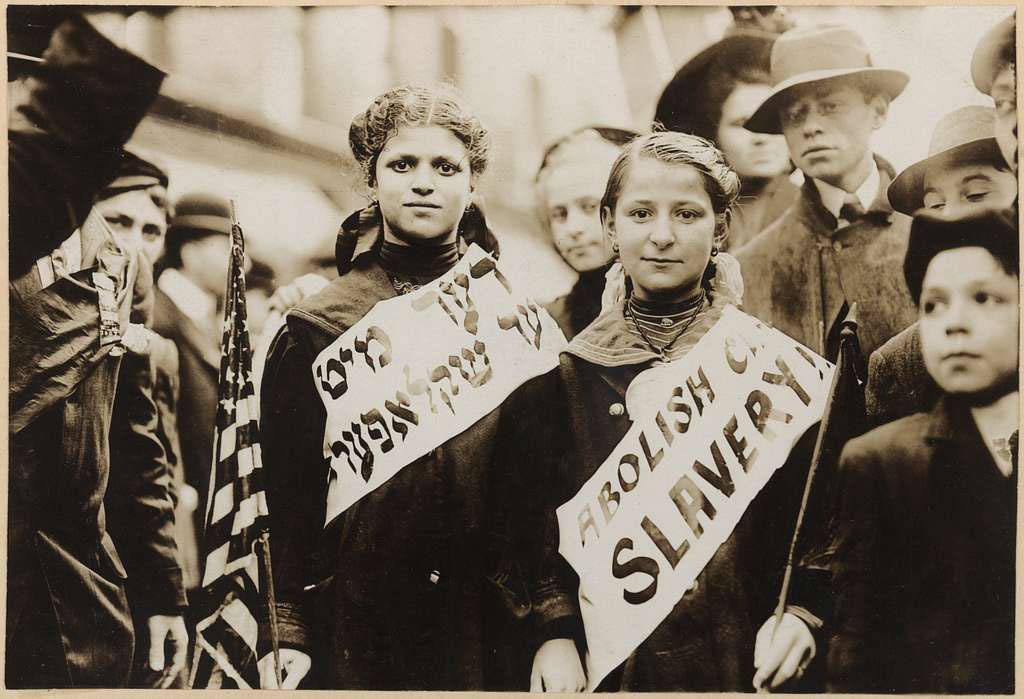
840 243
964 172
71 296
994 71
188 303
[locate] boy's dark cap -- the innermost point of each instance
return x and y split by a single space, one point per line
816 54
992 229
990 54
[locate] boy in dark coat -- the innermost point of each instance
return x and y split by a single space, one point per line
923 579
841 242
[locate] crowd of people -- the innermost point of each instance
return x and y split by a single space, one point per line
757 187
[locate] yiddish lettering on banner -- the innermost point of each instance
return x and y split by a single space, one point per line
709 436
421 368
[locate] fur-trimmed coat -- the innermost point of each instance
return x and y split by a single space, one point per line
802 272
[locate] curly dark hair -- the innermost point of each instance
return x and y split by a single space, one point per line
416 105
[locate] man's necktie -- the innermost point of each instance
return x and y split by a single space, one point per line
851 210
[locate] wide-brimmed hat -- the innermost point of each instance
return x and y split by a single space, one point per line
992 229
816 54
990 53
676 110
964 135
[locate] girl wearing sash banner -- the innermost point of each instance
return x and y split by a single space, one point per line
414 585
666 210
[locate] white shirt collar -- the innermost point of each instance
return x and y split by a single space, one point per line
187 296
832 197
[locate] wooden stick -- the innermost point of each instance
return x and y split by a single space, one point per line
271 605
849 331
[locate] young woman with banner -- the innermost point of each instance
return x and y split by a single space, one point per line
392 519
666 209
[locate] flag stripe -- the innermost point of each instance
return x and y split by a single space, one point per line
230 601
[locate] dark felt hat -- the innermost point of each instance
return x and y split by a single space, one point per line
676 107
198 214
991 53
816 54
992 229
136 172
29 28
962 136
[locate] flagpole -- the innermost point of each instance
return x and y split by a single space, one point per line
275 639
264 555
848 332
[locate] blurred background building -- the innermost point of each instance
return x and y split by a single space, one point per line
259 99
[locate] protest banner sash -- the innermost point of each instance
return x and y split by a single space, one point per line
423 367
645 525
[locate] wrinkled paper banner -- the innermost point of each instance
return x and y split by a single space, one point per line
717 423
423 367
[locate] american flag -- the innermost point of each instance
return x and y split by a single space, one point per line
236 515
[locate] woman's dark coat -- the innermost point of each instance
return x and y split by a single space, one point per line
577 309
923 578
417 585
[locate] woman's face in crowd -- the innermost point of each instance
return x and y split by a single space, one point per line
750 154
664 224
969 319
1004 94
136 221
423 184
572 195
959 189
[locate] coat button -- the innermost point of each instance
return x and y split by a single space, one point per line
435 577
616 409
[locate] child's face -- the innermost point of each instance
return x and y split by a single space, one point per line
572 196
664 224
969 319
828 129
956 190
